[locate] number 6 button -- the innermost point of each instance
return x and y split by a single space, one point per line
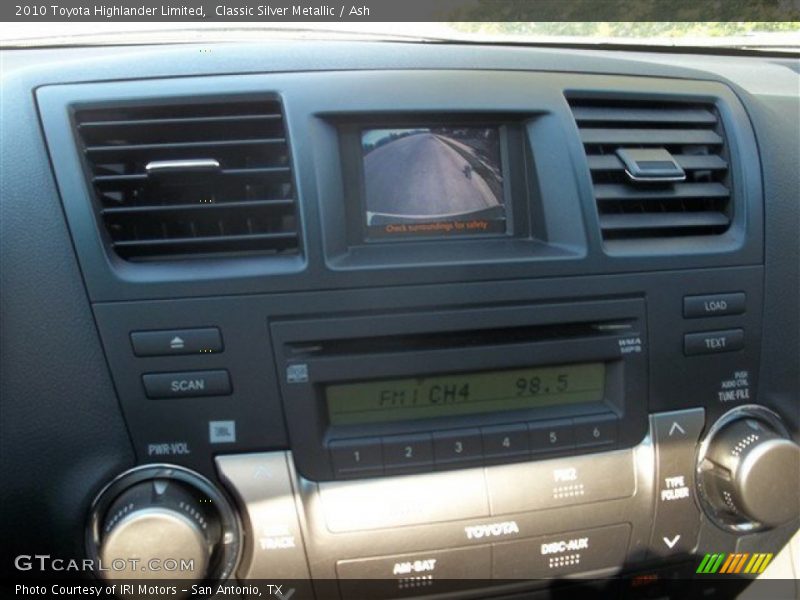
596 431
459 445
403 453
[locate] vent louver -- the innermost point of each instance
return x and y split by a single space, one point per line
189 180
691 133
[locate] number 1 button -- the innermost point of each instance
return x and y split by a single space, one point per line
356 457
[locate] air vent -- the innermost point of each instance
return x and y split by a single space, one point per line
191 180
687 140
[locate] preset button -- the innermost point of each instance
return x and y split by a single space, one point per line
596 431
407 452
461 445
505 441
551 435
359 456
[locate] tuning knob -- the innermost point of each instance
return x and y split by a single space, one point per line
163 522
749 471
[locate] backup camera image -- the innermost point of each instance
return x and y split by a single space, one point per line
438 181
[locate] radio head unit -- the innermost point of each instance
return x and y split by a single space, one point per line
414 392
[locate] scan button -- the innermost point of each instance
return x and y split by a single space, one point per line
187 384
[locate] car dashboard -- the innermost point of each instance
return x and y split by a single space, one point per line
388 320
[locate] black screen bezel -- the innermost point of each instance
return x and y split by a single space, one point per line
522 215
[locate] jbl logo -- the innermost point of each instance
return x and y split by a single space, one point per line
734 563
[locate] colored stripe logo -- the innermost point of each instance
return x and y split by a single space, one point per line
741 562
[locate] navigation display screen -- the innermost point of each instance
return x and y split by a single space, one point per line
464 394
433 181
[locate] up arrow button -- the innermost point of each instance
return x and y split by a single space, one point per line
676 427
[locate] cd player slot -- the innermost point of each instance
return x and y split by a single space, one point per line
461 339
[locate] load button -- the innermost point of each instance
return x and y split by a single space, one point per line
713 305
187 384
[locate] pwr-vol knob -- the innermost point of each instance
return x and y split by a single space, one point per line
749 471
163 522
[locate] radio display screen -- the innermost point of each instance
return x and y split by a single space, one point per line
433 181
464 393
